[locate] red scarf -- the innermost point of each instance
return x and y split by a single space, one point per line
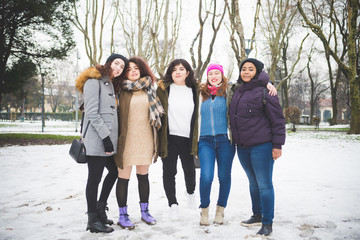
213 89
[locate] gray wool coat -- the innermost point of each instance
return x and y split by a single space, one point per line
101 119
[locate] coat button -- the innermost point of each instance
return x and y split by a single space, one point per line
106 83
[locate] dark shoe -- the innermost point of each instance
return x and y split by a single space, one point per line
95 225
254 220
265 230
101 207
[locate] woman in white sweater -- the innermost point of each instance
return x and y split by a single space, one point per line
178 93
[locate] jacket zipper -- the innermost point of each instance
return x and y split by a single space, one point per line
212 118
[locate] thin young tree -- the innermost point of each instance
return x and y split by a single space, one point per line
199 65
236 30
151 32
317 87
90 20
276 23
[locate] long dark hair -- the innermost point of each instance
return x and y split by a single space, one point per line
143 67
105 70
190 80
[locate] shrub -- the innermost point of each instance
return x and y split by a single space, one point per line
292 115
316 122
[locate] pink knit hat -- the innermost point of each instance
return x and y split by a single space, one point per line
215 66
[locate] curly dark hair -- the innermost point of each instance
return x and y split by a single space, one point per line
205 93
105 70
144 68
190 80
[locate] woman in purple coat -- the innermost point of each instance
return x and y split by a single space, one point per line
258 127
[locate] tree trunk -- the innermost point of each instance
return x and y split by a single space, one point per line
354 79
284 86
333 89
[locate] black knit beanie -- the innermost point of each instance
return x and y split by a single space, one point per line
259 65
114 56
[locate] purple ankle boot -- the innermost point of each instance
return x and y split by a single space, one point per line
124 220
145 215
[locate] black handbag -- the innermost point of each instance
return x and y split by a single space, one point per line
196 161
77 149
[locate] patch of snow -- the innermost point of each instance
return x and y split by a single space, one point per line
316 182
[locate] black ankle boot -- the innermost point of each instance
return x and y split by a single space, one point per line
101 207
265 230
95 225
254 220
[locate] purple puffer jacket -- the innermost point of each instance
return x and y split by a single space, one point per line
253 123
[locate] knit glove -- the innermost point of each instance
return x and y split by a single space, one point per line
109 147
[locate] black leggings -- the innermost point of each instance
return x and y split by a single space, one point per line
96 166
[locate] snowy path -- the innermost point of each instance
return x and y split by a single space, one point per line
317 187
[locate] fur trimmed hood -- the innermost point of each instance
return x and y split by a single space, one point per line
89 73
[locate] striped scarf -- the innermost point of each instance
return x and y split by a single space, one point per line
155 107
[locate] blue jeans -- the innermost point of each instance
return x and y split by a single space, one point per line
217 148
258 164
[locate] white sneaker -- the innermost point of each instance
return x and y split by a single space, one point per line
191 201
174 212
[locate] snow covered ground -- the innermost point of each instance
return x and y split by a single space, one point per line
317 187
51 127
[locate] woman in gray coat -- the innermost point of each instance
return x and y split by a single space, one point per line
100 134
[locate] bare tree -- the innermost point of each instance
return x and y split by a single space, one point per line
164 45
316 87
92 26
150 33
277 21
332 21
350 69
236 30
135 26
56 94
199 65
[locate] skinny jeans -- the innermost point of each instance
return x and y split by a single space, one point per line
258 164
215 149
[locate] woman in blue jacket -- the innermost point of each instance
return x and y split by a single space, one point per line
214 143
258 128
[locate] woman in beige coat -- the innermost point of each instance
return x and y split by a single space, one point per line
139 119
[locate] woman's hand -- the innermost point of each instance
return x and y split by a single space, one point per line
108 145
272 89
276 153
